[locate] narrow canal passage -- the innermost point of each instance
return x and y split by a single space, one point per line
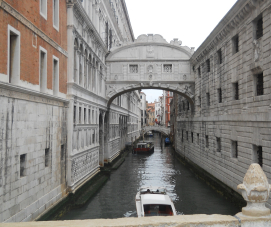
117 197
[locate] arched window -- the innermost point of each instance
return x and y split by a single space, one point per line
75 60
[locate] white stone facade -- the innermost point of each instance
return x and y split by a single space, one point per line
229 127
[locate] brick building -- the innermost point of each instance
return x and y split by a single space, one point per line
33 76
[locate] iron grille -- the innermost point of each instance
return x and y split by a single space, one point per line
219 95
259 84
236 91
208 65
259 28
260 155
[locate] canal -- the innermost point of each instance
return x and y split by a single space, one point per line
116 198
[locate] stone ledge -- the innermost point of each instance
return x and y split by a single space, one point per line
181 220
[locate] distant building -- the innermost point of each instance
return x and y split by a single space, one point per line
150 114
143 108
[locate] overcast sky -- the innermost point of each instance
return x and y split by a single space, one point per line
191 21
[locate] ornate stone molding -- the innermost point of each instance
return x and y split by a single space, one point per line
32 27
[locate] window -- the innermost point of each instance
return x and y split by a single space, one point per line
235 91
182 135
235 44
206 141
47 157
199 72
219 56
89 116
234 150
257 156
13 55
208 98
43 69
218 144
56 14
219 94
80 120
259 84
55 75
259 27
85 115
133 68
63 152
199 101
187 105
192 139
197 138
167 68
208 65
74 114
22 165
187 135
43 8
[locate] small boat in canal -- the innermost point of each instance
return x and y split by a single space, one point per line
167 141
149 133
143 147
154 201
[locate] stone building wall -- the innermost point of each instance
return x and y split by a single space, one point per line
229 127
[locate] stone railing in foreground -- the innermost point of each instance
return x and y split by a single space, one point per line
255 190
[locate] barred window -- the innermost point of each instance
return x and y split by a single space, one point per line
22 165
187 105
257 155
199 101
192 139
259 84
219 56
234 150
235 44
198 138
218 144
208 65
219 94
259 28
206 141
187 135
199 72
47 157
208 98
236 91
133 68
168 68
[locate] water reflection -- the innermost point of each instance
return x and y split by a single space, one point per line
117 197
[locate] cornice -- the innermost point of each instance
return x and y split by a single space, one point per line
81 13
229 22
31 26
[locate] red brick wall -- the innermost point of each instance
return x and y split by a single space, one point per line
29 55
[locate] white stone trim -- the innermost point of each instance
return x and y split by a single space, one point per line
4 78
56 23
44 15
43 83
55 81
18 47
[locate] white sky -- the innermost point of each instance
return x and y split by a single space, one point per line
189 20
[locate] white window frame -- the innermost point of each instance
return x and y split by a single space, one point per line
41 13
55 80
44 82
56 23
16 70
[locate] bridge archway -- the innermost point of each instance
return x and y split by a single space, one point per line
150 63
165 131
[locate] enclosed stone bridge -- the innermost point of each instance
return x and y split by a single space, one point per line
150 63
161 129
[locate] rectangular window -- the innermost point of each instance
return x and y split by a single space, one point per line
208 67
235 44
22 165
192 139
43 69
259 84
55 75
56 14
206 141
219 95
133 68
187 105
208 98
198 138
218 144
43 8
259 27
63 152
13 55
85 115
199 72
199 101
257 156
47 157
93 137
74 114
219 56
167 68
182 135
235 91
187 135
89 116
80 113
234 150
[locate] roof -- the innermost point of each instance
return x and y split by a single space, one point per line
155 199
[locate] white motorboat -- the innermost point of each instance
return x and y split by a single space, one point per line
154 201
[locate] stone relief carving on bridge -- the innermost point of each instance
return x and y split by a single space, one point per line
150 52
